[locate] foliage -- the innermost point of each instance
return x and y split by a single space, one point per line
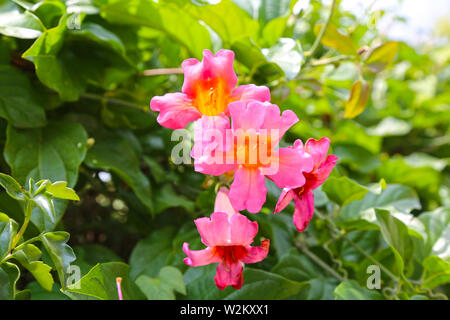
76 78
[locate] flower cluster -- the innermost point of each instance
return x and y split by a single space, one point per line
237 132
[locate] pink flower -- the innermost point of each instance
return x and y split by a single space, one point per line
209 86
256 130
303 196
227 235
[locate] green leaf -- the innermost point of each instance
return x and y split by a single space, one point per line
28 257
95 32
297 267
100 283
60 190
334 39
151 254
166 17
359 95
167 198
38 293
112 151
49 68
170 279
287 54
54 152
274 30
397 236
12 187
436 272
258 285
91 254
18 102
436 230
343 190
46 205
271 9
61 254
397 197
232 26
9 274
381 56
351 290
17 23
8 229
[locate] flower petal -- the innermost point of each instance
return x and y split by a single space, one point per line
214 231
285 197
304 210
251 92
273 119
289 167
318 149
175 110
242 230
257 254
196 258
211 68
247 115
248 190
223 203
230 275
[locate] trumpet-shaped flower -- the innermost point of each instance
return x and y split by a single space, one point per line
250 149
227 235
303 196
209 86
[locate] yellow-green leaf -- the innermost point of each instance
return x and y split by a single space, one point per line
381 56
60 190
334 39
359 94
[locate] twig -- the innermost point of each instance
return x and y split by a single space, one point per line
321 33
162 71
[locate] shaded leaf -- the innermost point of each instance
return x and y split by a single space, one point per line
61 254
18 103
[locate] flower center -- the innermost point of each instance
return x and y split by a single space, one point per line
211 97
230 254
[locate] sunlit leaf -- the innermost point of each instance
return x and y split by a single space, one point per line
359 95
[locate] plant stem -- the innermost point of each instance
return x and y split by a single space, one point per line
321 33
162 71
321 62
28 210
320 262
369 257
97 97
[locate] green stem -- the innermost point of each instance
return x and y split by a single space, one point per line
321 33
324 61
320 262
97 97
28 210
369 257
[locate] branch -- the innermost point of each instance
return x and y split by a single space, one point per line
321 33
163 71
